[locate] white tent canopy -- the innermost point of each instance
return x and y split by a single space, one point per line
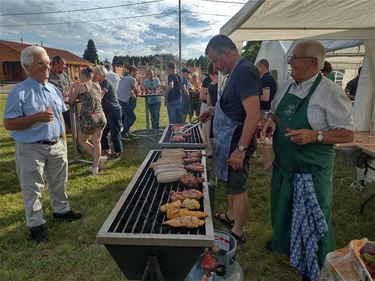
314 19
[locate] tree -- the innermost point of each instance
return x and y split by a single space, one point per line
250 51
91 53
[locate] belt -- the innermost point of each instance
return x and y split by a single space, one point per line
48 142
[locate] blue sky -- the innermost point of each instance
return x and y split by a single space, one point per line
135 27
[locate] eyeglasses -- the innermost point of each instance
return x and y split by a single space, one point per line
293 59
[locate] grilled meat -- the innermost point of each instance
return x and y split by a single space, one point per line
186 221
176 213
188 160
195 154
177 138
165 207
190 180
196 167
187 194
191 204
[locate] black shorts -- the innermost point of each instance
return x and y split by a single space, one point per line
237 180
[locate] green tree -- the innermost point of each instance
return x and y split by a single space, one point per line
250 51
91 53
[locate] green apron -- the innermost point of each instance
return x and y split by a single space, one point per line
290 158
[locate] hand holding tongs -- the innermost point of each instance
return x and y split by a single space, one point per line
192 127
278 121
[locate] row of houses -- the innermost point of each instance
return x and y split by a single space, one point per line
10 65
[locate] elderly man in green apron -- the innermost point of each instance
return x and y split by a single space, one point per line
310 114
236 116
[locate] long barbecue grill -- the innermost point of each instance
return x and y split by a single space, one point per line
195 141
133 231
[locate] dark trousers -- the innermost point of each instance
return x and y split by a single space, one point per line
128 117
113 116
154 109
66 116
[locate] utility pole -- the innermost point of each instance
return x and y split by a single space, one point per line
179 33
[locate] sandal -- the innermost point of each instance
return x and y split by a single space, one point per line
223 217
240 238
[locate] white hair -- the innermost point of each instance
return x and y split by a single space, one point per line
27 55
101 70
314 49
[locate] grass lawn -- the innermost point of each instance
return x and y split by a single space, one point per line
73 254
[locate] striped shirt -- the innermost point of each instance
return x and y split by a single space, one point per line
329 108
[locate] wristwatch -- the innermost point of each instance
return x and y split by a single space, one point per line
320 136
241 148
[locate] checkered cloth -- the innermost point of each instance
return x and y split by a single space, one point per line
308 227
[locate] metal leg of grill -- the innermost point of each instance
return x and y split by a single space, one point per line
152 270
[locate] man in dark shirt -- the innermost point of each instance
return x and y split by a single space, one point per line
173 94
269 89
236 116
268 83
351 87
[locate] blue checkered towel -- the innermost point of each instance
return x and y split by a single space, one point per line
308 227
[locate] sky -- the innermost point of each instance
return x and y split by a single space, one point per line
118 27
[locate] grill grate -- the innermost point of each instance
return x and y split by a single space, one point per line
141 211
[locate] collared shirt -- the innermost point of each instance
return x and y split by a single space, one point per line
329 108
60 80
30 97
152 83
125 87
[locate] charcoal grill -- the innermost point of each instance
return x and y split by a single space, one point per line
133 231
195 141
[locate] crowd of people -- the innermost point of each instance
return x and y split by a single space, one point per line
297 114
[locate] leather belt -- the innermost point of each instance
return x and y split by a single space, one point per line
48 142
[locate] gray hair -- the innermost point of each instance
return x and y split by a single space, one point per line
27 55
101 70
220 42
314 49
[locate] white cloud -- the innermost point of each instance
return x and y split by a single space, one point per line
133 36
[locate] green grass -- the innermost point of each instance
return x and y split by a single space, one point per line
73 254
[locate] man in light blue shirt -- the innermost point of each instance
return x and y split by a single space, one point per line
33 114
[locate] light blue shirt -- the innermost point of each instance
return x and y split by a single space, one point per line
152 83
30 97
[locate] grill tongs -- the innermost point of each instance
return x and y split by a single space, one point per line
278 121
192 127
193 121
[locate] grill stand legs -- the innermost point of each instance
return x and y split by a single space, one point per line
152 271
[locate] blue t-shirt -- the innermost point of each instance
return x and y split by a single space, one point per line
30 97
175 92
243 82
268 82
152 83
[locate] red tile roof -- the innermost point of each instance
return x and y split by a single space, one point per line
70 58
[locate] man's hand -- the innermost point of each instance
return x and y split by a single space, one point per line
268 128
236 160
302 136
205 115
45 116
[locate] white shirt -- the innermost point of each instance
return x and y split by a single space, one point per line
114 77
329 108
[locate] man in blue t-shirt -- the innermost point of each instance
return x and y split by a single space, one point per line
268 83
236 116
173 94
